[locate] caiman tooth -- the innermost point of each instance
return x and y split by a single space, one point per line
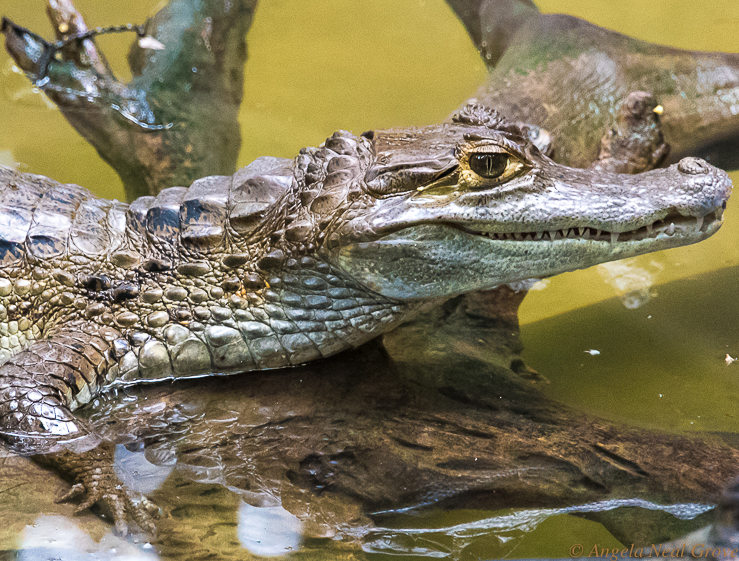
528 238
614 237
553 234
650 229
581 231
699 223
586 234
539 235
597 233
572 234
670 229
565 232
518 236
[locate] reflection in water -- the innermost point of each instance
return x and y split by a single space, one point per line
632 283
268 531
451 541
444 415
61 539
137 472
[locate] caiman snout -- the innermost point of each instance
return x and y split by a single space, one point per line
709 185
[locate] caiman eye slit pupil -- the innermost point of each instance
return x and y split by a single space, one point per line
489 166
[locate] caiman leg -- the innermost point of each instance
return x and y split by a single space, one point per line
42 384
39 388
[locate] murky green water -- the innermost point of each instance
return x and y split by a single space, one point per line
316 66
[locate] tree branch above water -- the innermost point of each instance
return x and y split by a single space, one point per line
176 121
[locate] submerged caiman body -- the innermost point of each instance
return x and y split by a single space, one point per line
290 261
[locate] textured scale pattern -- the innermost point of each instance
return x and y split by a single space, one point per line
220 277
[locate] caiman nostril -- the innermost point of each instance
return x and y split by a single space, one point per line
694 166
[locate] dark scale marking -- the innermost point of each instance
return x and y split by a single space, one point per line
52 220
156 265
204 212
231 284
234 261
163 217
94 283
125 291
183 314
11 253
253 281
272 260
46 246
136 218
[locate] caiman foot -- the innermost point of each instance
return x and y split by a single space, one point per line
95 482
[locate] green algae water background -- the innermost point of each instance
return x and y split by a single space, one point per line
319 65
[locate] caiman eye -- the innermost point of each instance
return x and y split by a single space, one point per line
489 166
486 166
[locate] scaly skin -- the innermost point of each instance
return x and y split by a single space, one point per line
290 261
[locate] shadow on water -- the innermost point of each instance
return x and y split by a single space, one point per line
428 446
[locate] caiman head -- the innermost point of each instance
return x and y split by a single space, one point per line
433 212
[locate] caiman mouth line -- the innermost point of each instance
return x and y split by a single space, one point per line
673 223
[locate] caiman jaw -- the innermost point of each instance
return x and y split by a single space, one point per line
444 258
674 223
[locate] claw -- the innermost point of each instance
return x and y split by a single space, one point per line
119 515
95 481
76 491
151 508
144 520
85 505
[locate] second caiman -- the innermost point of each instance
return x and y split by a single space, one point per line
289 261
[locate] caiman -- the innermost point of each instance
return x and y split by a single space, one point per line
289 261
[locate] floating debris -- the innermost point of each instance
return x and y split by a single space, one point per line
148 42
